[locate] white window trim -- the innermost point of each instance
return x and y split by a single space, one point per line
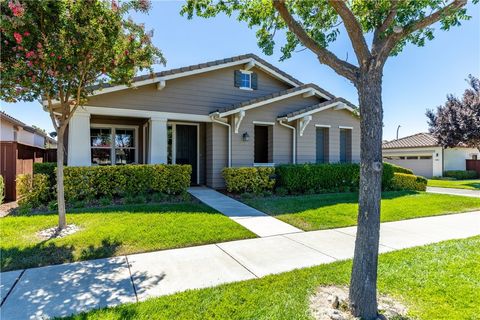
323 126
112 147
250 74
174 143
345 127
263 123
267 164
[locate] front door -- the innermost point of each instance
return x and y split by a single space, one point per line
186 147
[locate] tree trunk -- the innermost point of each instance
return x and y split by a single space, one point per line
363 283
62 219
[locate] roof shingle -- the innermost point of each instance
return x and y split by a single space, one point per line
418 140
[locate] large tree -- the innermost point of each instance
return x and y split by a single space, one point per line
59 51
457 122
314 24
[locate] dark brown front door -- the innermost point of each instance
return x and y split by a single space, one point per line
261 144
186 148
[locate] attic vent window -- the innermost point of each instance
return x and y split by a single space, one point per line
246 80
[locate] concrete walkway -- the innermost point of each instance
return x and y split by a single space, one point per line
457 192
61 290
258 222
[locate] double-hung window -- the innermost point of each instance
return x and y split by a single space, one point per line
113 145
246 80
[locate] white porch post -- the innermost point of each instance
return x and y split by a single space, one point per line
78 152
158 141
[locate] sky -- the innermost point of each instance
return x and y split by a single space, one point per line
416 80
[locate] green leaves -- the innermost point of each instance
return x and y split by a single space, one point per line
59 49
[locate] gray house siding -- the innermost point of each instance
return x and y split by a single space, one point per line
280 150
197 94
306 145
217 154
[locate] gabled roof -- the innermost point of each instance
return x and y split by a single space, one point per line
340 103
200 68
418 140
276 96
6 117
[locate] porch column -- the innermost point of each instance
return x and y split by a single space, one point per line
78 149
158 141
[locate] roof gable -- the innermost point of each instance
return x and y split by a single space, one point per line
248 60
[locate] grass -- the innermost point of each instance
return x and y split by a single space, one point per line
457 184
440 281
111 232
324 211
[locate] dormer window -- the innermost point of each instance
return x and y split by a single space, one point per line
245 80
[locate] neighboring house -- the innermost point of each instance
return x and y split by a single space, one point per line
240 111
422 154
20 146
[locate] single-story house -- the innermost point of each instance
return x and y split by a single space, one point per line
20 146
422 154
239 111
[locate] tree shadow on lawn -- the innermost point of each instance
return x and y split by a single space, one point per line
475 185
299 203
50 253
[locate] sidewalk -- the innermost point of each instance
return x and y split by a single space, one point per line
61 290
256 221
457 192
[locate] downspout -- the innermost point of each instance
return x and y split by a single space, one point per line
214 118
294 140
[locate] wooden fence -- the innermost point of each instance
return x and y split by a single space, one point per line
473 165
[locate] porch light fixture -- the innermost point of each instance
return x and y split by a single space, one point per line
245 137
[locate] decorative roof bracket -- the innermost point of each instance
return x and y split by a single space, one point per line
304 123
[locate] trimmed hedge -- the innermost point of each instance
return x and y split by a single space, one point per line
249 179
325 177
400 169
403 181
461 174
110 181
33 191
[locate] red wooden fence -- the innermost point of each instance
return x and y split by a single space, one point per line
473 165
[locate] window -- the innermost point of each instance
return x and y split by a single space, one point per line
474 157
322 145
113 146
345 145
412 158
246 80
425 157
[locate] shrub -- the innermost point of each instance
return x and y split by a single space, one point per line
325 177
2 189
114 181
460 174
47 168
403 181
33 191
249 179
400 169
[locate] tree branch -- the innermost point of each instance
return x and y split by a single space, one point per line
325 56
377 40
392 40
354 30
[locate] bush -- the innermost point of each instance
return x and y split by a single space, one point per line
33 192
116 181
47 168
460 174
2 189
249 179
400 169
326 177
403 181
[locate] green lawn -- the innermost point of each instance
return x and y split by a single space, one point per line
440 281
116 231
458 184
324 211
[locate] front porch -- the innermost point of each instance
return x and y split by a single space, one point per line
95 138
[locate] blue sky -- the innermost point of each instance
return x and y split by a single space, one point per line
416 80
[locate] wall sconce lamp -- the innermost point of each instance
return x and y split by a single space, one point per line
245 137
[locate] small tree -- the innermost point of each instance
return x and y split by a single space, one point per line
59 51
457 122
313 25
